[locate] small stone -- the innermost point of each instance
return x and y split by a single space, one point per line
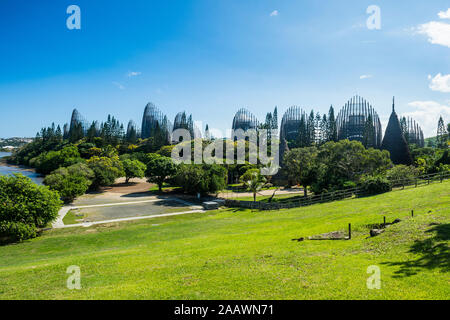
375 232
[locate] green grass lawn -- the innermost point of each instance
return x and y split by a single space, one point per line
243 254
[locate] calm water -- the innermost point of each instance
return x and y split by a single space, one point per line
4 170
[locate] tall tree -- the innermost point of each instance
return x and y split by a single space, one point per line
369 133
303 137
311 129
301 166
332 128
441 138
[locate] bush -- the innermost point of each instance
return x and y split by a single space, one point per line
402 174
24 203
49 161
106 170
375 185
70 182
201 179
15 232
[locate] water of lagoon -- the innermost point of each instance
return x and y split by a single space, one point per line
8 170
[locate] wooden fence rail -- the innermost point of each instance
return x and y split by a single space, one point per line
332 196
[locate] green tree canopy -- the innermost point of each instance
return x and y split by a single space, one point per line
133 169
159 169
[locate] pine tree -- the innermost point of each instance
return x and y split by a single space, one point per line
311 129
317 132
207 134
441 138
332 128
303 138
395 142
324 129
369 133
275 119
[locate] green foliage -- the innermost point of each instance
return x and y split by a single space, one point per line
402 173
343 161
301 166
52 160
133 169
201 179
25 202
375 185
85 150
191 178
166 151
430 160
15 232
159 169
217 177
255 183
247 175
106 170
70 182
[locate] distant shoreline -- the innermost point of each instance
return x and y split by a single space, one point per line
3 162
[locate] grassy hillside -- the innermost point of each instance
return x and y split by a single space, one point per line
240 254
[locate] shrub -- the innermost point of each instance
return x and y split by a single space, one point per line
402 174
15 232
49 161
375 185
106 170
70 182
201 179
24 203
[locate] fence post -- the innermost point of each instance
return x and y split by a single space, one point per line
412 213
349 231
384 222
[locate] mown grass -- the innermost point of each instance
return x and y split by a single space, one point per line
244 254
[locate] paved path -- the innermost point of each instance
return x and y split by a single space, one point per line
64 210
57 225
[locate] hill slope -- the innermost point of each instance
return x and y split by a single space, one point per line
240 254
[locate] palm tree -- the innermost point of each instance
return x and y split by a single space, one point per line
255 183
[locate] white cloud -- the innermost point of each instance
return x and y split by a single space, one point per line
119 85
133 74
427 114
366 76
440 82
274 13
437 32
444 14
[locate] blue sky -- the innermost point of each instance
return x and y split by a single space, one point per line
212 57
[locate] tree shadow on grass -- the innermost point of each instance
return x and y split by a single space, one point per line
434 251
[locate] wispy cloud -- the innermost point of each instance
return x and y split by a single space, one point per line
440 82
444 14
427 114
133 74
119 85
366 76
274 13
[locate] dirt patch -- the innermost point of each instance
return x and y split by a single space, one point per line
134 186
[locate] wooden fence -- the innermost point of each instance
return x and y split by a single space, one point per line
300 201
